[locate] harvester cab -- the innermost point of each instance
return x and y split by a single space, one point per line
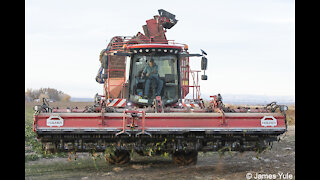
158 70
161 77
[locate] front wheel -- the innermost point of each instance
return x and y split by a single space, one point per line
118 157
185 158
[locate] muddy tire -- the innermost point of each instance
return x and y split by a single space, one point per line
118 157
183 158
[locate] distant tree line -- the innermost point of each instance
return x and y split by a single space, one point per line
48 93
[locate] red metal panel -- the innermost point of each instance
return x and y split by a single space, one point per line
155 121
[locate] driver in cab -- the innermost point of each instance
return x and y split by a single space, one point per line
151 71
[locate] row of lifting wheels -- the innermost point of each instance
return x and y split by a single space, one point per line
179 158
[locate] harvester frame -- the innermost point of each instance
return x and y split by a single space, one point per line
121 121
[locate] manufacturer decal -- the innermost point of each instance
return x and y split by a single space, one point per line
54 121
269 121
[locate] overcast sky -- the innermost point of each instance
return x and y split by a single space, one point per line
250 44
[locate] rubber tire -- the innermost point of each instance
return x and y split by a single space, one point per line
118 158
183 158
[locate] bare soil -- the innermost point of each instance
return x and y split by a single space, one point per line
280 159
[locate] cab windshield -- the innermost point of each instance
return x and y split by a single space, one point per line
154 75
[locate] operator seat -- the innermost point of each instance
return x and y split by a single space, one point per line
139 84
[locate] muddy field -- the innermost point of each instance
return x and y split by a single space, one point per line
277 163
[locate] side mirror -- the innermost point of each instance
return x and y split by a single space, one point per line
204 63
283 108
204 77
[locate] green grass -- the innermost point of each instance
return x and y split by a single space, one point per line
33 147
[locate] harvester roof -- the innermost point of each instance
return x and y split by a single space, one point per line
171 46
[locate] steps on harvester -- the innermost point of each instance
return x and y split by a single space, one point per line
115 84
